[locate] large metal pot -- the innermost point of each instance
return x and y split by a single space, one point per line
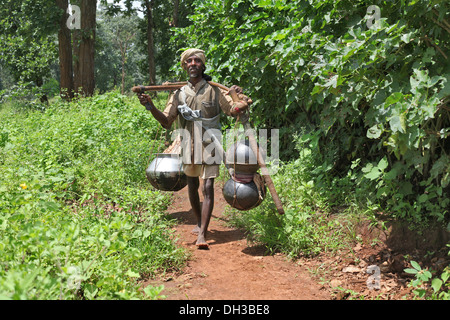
166 173
241 158
243 196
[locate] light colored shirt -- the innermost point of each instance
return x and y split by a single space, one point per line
210 101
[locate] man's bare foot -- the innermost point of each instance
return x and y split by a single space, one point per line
196 230
201 243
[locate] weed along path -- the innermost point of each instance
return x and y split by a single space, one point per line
232 269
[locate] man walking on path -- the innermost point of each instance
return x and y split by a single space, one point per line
196 103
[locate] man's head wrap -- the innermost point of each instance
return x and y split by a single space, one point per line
192 52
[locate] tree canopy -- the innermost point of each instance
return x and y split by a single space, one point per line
27 39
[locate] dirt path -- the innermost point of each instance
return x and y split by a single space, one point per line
232 269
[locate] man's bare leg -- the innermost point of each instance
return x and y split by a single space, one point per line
193 185
207 208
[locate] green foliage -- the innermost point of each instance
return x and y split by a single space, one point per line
375 93
116 43
165 51
428 287
27 39
78 219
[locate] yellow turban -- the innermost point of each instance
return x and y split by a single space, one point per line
192 52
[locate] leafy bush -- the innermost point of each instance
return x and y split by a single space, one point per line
78 218
373 90
428 287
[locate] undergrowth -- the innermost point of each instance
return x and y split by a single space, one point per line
309 199
321 215
78 218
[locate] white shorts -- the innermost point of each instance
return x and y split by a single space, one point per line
205 171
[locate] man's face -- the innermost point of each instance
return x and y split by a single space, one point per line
194 66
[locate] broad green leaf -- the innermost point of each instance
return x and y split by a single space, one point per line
367 168
423 198
446 274
407 37
373 174
382 164
410 271
436 284
332 82
397 123
394 98
406 188
374 132
440 166
415 265
391 174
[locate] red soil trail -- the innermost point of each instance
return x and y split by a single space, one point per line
232 269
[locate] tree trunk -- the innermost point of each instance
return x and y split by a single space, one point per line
65 53
150 44
76 40
84 49
123 74
176 5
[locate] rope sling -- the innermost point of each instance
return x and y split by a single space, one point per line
256 178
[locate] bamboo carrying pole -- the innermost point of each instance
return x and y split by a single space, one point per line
264 171
170 86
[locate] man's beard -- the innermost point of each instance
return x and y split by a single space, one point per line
194 72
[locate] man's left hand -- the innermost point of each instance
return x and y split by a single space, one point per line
241 95
236 88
